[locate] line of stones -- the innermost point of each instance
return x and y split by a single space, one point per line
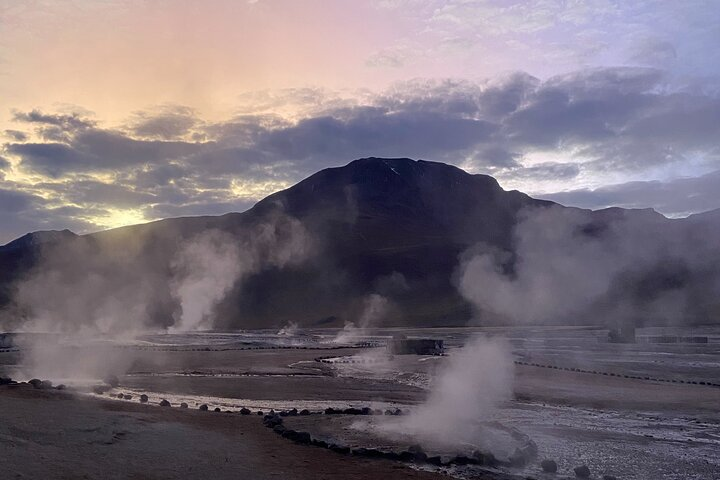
620 375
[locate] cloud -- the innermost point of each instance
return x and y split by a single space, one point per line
677 197
72 121
539 135
16 135
169 123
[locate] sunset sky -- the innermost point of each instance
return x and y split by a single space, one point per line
125 111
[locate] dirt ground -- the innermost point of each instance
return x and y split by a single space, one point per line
53 435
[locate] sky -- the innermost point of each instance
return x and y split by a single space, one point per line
117 112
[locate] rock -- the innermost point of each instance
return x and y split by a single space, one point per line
61 387
283 413
365 411
99 389
304 412
293 412
319 443
120 396
217 410
352 411
35 382
164 403
339 449
112 380
582 471
46 384
5 380
127 396
143 398
436 460
303 437
549 466
463 460
183 405
260 413
332 411
203 408
245 411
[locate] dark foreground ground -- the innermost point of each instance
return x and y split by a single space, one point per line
49 434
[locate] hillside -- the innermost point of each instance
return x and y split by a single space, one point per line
393 227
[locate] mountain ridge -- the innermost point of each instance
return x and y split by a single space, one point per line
372 220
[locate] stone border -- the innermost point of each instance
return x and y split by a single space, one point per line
619 375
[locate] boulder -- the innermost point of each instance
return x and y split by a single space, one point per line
339 449
98 389
183 405
35 382
203 408
582 471
164 403
260 413
304 412
548 466
5 380
127 396
319 443
143 398
245 411
120 396
292 412
61 387
46 384
217 410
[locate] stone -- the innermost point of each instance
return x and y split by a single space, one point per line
46 384
217 410
339 449
304 412
203 408
548 466
120 396
99 389
164 403
245 411
143 398
36 383
5 380
127 396
61 387
183 405
582 471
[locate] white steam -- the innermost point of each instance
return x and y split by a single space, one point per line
569 267
465 393
205 269
375 309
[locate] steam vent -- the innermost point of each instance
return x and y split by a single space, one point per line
415 346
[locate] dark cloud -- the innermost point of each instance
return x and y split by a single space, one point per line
16 135
676 197
73 121
98 150
595 121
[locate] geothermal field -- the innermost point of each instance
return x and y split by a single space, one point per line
495 403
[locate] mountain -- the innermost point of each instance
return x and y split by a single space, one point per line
391 227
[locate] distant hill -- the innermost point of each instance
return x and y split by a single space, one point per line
396 227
